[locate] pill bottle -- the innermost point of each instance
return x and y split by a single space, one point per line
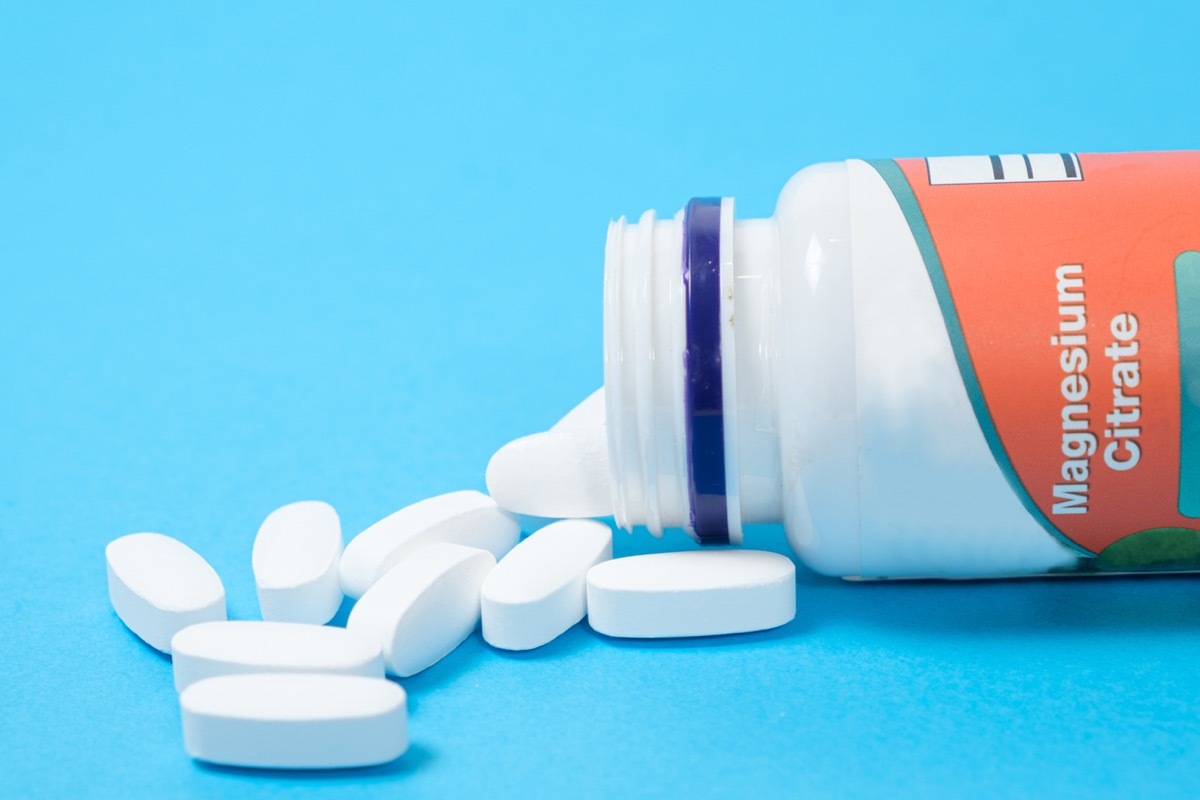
939 367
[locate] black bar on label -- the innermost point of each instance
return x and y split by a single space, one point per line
997 168
1069 165
1028 167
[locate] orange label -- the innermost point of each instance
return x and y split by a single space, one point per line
1058 276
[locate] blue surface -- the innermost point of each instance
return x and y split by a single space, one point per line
253 254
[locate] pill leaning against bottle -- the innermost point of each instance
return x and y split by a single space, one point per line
423 607
294 721
159 585
691 593
516 472
295 560
233 647
589 413
469 518
561 473
539 589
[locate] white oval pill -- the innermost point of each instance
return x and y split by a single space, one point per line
469 518
560 473
235 647
692 593
589 413
294 721
424 607
159 585
295 562
539 589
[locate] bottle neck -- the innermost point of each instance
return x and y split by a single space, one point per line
689 306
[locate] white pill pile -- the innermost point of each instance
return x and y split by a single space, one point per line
291 691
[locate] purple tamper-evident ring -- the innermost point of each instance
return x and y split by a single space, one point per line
703 397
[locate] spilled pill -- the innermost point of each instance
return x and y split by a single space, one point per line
424 607
691 593
469 518
159 586
588 414
295 560
539 589
561 473
232 647
294 721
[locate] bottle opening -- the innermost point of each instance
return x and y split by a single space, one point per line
670 378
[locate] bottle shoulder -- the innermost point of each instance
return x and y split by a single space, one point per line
815 197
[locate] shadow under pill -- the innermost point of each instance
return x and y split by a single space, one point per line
343 613
794 629
164 657
417 757
458 663
574 640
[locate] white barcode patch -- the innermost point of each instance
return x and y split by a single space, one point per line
1012 168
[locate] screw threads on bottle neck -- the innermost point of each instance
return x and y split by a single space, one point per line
645 338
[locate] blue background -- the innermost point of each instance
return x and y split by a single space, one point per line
258 253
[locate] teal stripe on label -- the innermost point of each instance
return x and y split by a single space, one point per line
1187 300
893 176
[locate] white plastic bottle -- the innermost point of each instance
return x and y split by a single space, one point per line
943 367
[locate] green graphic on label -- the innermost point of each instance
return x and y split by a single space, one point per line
1187 299
1158 549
